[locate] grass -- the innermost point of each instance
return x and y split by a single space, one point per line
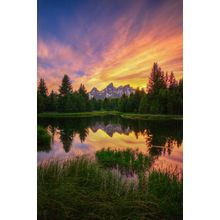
81 189
105 113
127 161
76 114
43 139
151 116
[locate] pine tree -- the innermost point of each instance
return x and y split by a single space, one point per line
52 102
40 103
156 80
166 79
172 81
66 86
143 106
42 97
84 97
123 103
82 90
42 88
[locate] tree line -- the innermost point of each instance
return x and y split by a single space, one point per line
164 95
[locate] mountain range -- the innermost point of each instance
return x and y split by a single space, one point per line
111 92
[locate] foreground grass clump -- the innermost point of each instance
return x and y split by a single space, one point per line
167 188
43 139
81 189
127 161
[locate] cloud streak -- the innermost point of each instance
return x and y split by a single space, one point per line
96 50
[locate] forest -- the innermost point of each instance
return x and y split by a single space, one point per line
164 95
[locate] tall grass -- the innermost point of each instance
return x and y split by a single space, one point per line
81 189
127 161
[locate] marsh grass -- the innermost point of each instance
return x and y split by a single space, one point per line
111 113
81 189
128 161
151 116
167 188
77 114
43 139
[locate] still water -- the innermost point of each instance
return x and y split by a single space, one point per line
71 137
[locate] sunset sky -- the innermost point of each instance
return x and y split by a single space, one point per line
97 42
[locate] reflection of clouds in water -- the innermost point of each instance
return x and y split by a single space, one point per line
168 151
57 151
172 161
81 145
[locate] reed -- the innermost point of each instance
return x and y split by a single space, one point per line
82 189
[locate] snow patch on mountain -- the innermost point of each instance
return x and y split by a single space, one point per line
111 92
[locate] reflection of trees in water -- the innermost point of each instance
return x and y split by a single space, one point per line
160 136
52 131
83 133
68 128
161 146
66 137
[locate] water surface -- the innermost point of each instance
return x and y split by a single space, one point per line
84 136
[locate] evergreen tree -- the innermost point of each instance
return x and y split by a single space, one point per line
42 88
166 78
52 102
42 93
137 99
82 105
143 106
131 103
84 97
180 97
106 104
172 95
82 91
123 103
172 81
156 80
65 89
164 96
66 86
68 107
40 103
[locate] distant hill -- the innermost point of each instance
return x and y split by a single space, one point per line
111 92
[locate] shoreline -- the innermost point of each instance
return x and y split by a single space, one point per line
132 116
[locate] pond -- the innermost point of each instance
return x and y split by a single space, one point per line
71 137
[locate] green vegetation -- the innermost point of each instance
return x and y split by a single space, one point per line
151 116
87 189
164 95
81 189
109 113
167 188
155 132
43 139
127 161
76 114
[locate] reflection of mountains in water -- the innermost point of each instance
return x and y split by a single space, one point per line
165 134
110 129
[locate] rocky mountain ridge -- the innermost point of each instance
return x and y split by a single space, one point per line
111 92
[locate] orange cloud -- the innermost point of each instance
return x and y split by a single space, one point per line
127 57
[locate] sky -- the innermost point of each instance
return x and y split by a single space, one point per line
97 42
